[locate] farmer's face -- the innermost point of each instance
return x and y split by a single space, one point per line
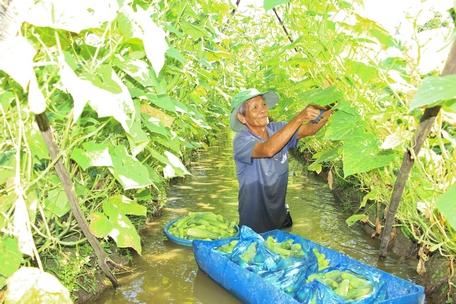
256 112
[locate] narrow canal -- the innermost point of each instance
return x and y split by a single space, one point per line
167 272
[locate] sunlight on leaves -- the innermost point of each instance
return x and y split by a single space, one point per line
73 16
127 169
104 102
22 229
16 59
127 206
92 154
174 167
142 27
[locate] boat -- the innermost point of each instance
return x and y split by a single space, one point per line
289 283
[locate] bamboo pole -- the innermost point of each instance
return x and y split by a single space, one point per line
424 126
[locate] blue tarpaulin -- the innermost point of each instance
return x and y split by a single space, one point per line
270 279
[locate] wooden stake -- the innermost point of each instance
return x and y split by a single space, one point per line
425 125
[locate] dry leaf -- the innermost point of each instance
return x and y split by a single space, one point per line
378 226
165 119
330 179
420 268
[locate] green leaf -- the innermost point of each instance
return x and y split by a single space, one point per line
155 124
139 25
434 91
7 166
127 206
137 138
170 104
10 256
362 153
447 205
326 156
127 169
269 4
104 102
325 97
100 225
57 202
192 30
37 145
342 125
137 69
365 72
175 166
92 154
355 218
123 232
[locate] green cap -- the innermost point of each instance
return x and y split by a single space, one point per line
271 98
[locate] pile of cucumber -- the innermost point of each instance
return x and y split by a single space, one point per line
347 284
203 226
285 249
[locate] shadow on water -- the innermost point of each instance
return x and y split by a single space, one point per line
167 272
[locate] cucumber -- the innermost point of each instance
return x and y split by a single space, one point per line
359 293
343 288
355 280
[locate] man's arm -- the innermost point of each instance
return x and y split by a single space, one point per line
277 141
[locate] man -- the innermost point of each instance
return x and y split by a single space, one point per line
261 155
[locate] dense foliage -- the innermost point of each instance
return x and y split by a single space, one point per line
132 87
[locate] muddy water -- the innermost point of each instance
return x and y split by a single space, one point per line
167 272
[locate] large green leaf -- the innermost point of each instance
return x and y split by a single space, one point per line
10 256
447 205
100 225
104 102
137 69
270 4
137 138
362 153
57 202
193 31
123 231
7 166
140 25
365 72
155 125
116 224
342 125
92 154
326 156
127 169
434 91
127 206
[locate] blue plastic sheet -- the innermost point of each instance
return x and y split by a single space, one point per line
287 274
269 278
322 293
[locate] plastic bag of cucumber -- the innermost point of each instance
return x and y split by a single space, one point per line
302 272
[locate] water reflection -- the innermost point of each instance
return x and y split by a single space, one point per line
168 273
